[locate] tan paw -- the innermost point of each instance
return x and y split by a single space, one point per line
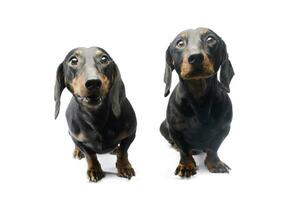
125 170
95 174
77 154
186 169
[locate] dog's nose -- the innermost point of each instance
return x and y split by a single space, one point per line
196 59
93 84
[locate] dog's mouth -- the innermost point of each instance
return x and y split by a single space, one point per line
91 99
197 76
196 72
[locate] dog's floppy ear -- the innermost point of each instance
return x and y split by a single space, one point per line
117 93
168 72
59 87
227 72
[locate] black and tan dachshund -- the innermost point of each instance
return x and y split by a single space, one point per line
199 111
99 116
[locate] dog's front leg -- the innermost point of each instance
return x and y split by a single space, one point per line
123 165
187 164
212 161
94 171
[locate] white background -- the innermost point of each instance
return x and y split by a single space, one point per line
262 148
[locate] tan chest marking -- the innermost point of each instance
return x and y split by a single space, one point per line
81 137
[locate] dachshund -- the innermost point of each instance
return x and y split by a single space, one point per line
199 111
99 116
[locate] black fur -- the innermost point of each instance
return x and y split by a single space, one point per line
100 119
199 111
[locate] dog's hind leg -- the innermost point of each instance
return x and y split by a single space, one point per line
77 154
165 132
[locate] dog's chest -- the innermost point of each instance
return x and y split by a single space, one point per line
85 136
192 117
101 135
198 132
194 123
199 125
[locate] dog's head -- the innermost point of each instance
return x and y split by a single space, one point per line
91 76
197 54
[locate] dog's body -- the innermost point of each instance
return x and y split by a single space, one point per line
200 121
199 112
99 116
100 131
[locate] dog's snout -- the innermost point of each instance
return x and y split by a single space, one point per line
93 84
196 59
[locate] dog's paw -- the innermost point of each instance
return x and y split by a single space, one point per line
95 174
217 167
186 169
125 170
77 154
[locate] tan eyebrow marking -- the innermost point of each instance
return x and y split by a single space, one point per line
184 34
77 52
98 53
203 30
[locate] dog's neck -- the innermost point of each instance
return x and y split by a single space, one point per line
96 113
199 89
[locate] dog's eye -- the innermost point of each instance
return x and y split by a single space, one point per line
104 59
74 60
180 44
211 41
